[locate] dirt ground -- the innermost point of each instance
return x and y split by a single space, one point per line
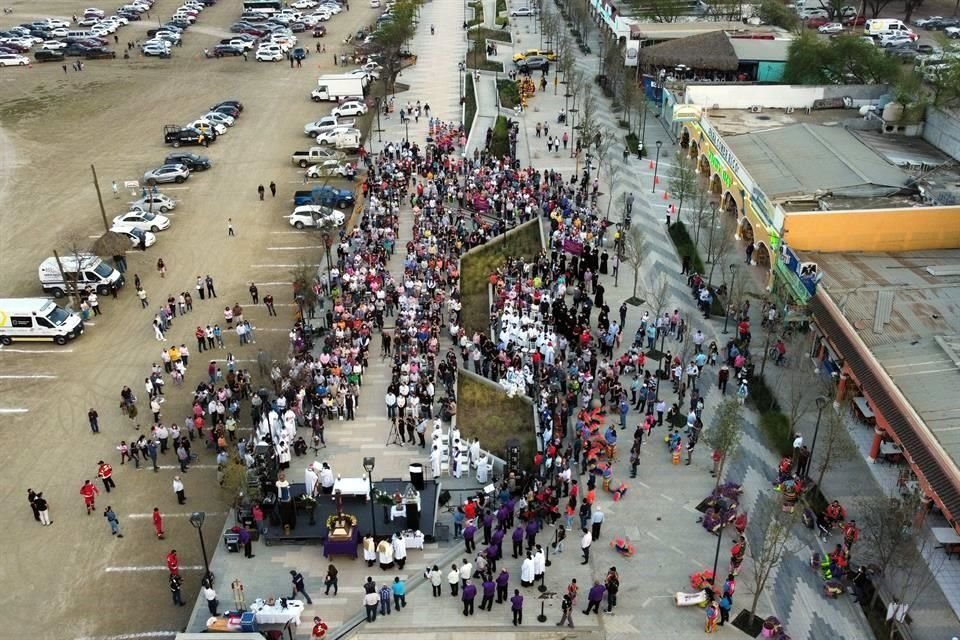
53 125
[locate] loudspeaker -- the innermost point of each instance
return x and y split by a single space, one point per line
444 498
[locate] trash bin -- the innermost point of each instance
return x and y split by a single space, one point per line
232 542
416 476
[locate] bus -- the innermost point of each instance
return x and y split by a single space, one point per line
268 7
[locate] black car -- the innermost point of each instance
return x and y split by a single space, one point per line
533 63
177 136
236 105
297 27
75 49
131 16
226 50
100 52
48 56
192 160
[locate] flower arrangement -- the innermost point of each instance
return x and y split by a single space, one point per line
332 520
305 501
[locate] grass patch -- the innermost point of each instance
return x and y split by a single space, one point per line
500 143
684 244
477 267
477 58
776 426
509 93
486 413
470 102
485 33
502 21
477 14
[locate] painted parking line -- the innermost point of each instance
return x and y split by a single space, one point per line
144 516
192 466
133 636
278 233
309 246
6 350
39 376
13 410
156 567
272 284
176 188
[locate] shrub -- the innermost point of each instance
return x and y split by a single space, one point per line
500 143
684 244
776 427
509 93
470 104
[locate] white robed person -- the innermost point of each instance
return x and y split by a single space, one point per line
527 571
435 461
311 481
539 563
369 550
385 554
326 479
399 550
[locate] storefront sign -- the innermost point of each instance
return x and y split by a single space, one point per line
687 113
633 53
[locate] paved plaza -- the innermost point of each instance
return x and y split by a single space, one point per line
658 512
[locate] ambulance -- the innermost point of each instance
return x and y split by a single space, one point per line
37 319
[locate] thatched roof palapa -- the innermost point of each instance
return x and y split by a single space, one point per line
710 50
111 244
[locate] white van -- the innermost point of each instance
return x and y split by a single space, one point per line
37 319
887 26
86 270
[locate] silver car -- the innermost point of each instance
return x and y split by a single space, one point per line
167 173
154 202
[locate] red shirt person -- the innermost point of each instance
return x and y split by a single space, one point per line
89 493
158 522
173 564
105 473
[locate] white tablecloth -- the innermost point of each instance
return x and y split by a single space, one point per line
352 486
413 539
398 511
275 615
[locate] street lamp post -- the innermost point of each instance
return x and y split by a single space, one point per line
573 131
733 280
821 403
368 465
716 559
461 66
713 216
196 519
656 167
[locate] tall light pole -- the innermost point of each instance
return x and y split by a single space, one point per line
368 465
656 167
821 403
196 519
713 216
733 280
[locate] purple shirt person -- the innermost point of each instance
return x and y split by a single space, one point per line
502 581
532 529
497 537
489 588
517 540
516 606
469 593
595 597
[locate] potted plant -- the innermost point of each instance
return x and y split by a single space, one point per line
307 503
385 500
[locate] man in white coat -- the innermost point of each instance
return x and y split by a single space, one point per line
539 563
326 479
399 550
435 461
311 480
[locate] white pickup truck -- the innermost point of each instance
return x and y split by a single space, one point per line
326 123
315 155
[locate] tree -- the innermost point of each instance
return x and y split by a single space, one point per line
841 60
724 433
726 10
629 97
391 39
834 8
634 253
835 443
876 6
768 552
888 526
700 207
614 169
660 295
660 10
776 13
909 6
303 277
721 242
587 120
682 179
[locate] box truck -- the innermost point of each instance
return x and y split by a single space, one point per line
37 319
338 87
83 270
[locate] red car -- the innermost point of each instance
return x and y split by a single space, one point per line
814 23
854 21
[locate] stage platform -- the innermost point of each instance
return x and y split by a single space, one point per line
305 533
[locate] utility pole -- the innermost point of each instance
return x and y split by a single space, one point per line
103 212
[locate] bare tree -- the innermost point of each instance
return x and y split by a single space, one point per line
876 6
724 433
721 243
629 97
659 295
836 443
768 552
683 179
589 127
614 170
889 525
634 253
700 209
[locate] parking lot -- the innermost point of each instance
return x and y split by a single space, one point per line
73 579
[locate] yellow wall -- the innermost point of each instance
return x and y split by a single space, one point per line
875 229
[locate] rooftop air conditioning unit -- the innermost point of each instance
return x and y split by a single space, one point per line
789 109
756 109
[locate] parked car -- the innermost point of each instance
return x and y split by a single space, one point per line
45 55
894 40
193 161
533 63
831 27
855 21
154 202
817 22
143 220
238 41
315 216
521 11
350 108
53 45
219 118
902 53
222 50
137 236
319 31
952 32
167 173
269 55
100 52
13 60
155 49
330 168
208 128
